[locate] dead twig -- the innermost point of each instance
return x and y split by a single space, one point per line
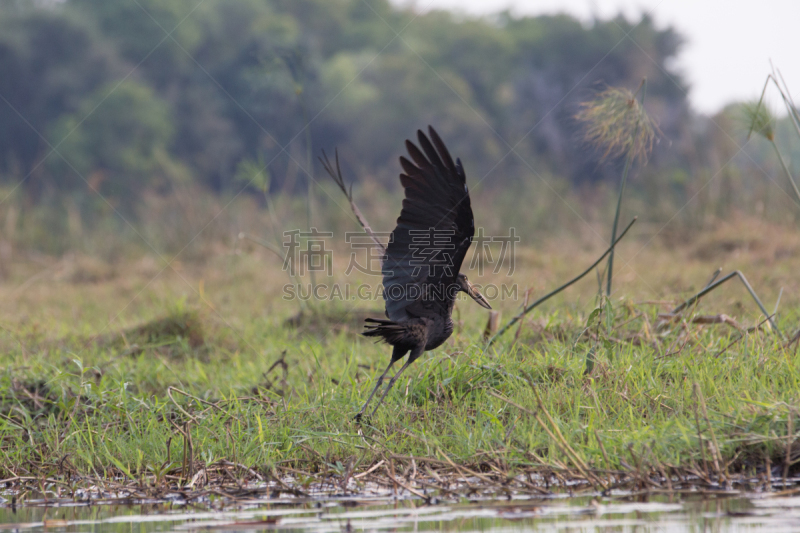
789 440
522 322
740 337
199 400
339 180
491 325
390 473
794 339
712 286
702 319
181 409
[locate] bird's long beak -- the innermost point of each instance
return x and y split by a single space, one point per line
477 296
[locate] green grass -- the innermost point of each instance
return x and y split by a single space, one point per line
200 347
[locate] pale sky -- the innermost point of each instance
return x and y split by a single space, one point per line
729 43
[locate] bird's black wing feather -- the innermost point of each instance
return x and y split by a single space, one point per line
435 227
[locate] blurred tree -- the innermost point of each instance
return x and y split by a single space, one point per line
150 34
50 59
119 152
210 84
562 63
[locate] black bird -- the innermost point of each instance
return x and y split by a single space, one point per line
421 276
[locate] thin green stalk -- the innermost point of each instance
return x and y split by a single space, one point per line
625 172
770 133
777 79
309 179
552 293
786 170
616 218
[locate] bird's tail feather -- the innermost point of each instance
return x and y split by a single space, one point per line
390 332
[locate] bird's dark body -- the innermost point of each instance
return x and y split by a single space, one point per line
428 331
420 286
439 331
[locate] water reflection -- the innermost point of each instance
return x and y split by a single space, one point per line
336 515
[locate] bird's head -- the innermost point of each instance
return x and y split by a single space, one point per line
469 288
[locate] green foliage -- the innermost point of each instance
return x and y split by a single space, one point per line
51 60
117 151
137 27
452 403
233 81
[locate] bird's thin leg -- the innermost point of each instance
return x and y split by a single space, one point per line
377 386
391 384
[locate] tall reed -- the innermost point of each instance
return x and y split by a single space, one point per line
762 122
618 125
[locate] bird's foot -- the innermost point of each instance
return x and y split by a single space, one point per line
359 418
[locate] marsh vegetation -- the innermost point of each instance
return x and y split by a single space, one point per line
147 342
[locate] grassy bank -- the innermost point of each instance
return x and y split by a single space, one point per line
156 374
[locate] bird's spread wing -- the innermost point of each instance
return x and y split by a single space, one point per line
435 227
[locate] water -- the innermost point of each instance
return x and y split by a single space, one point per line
661 513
